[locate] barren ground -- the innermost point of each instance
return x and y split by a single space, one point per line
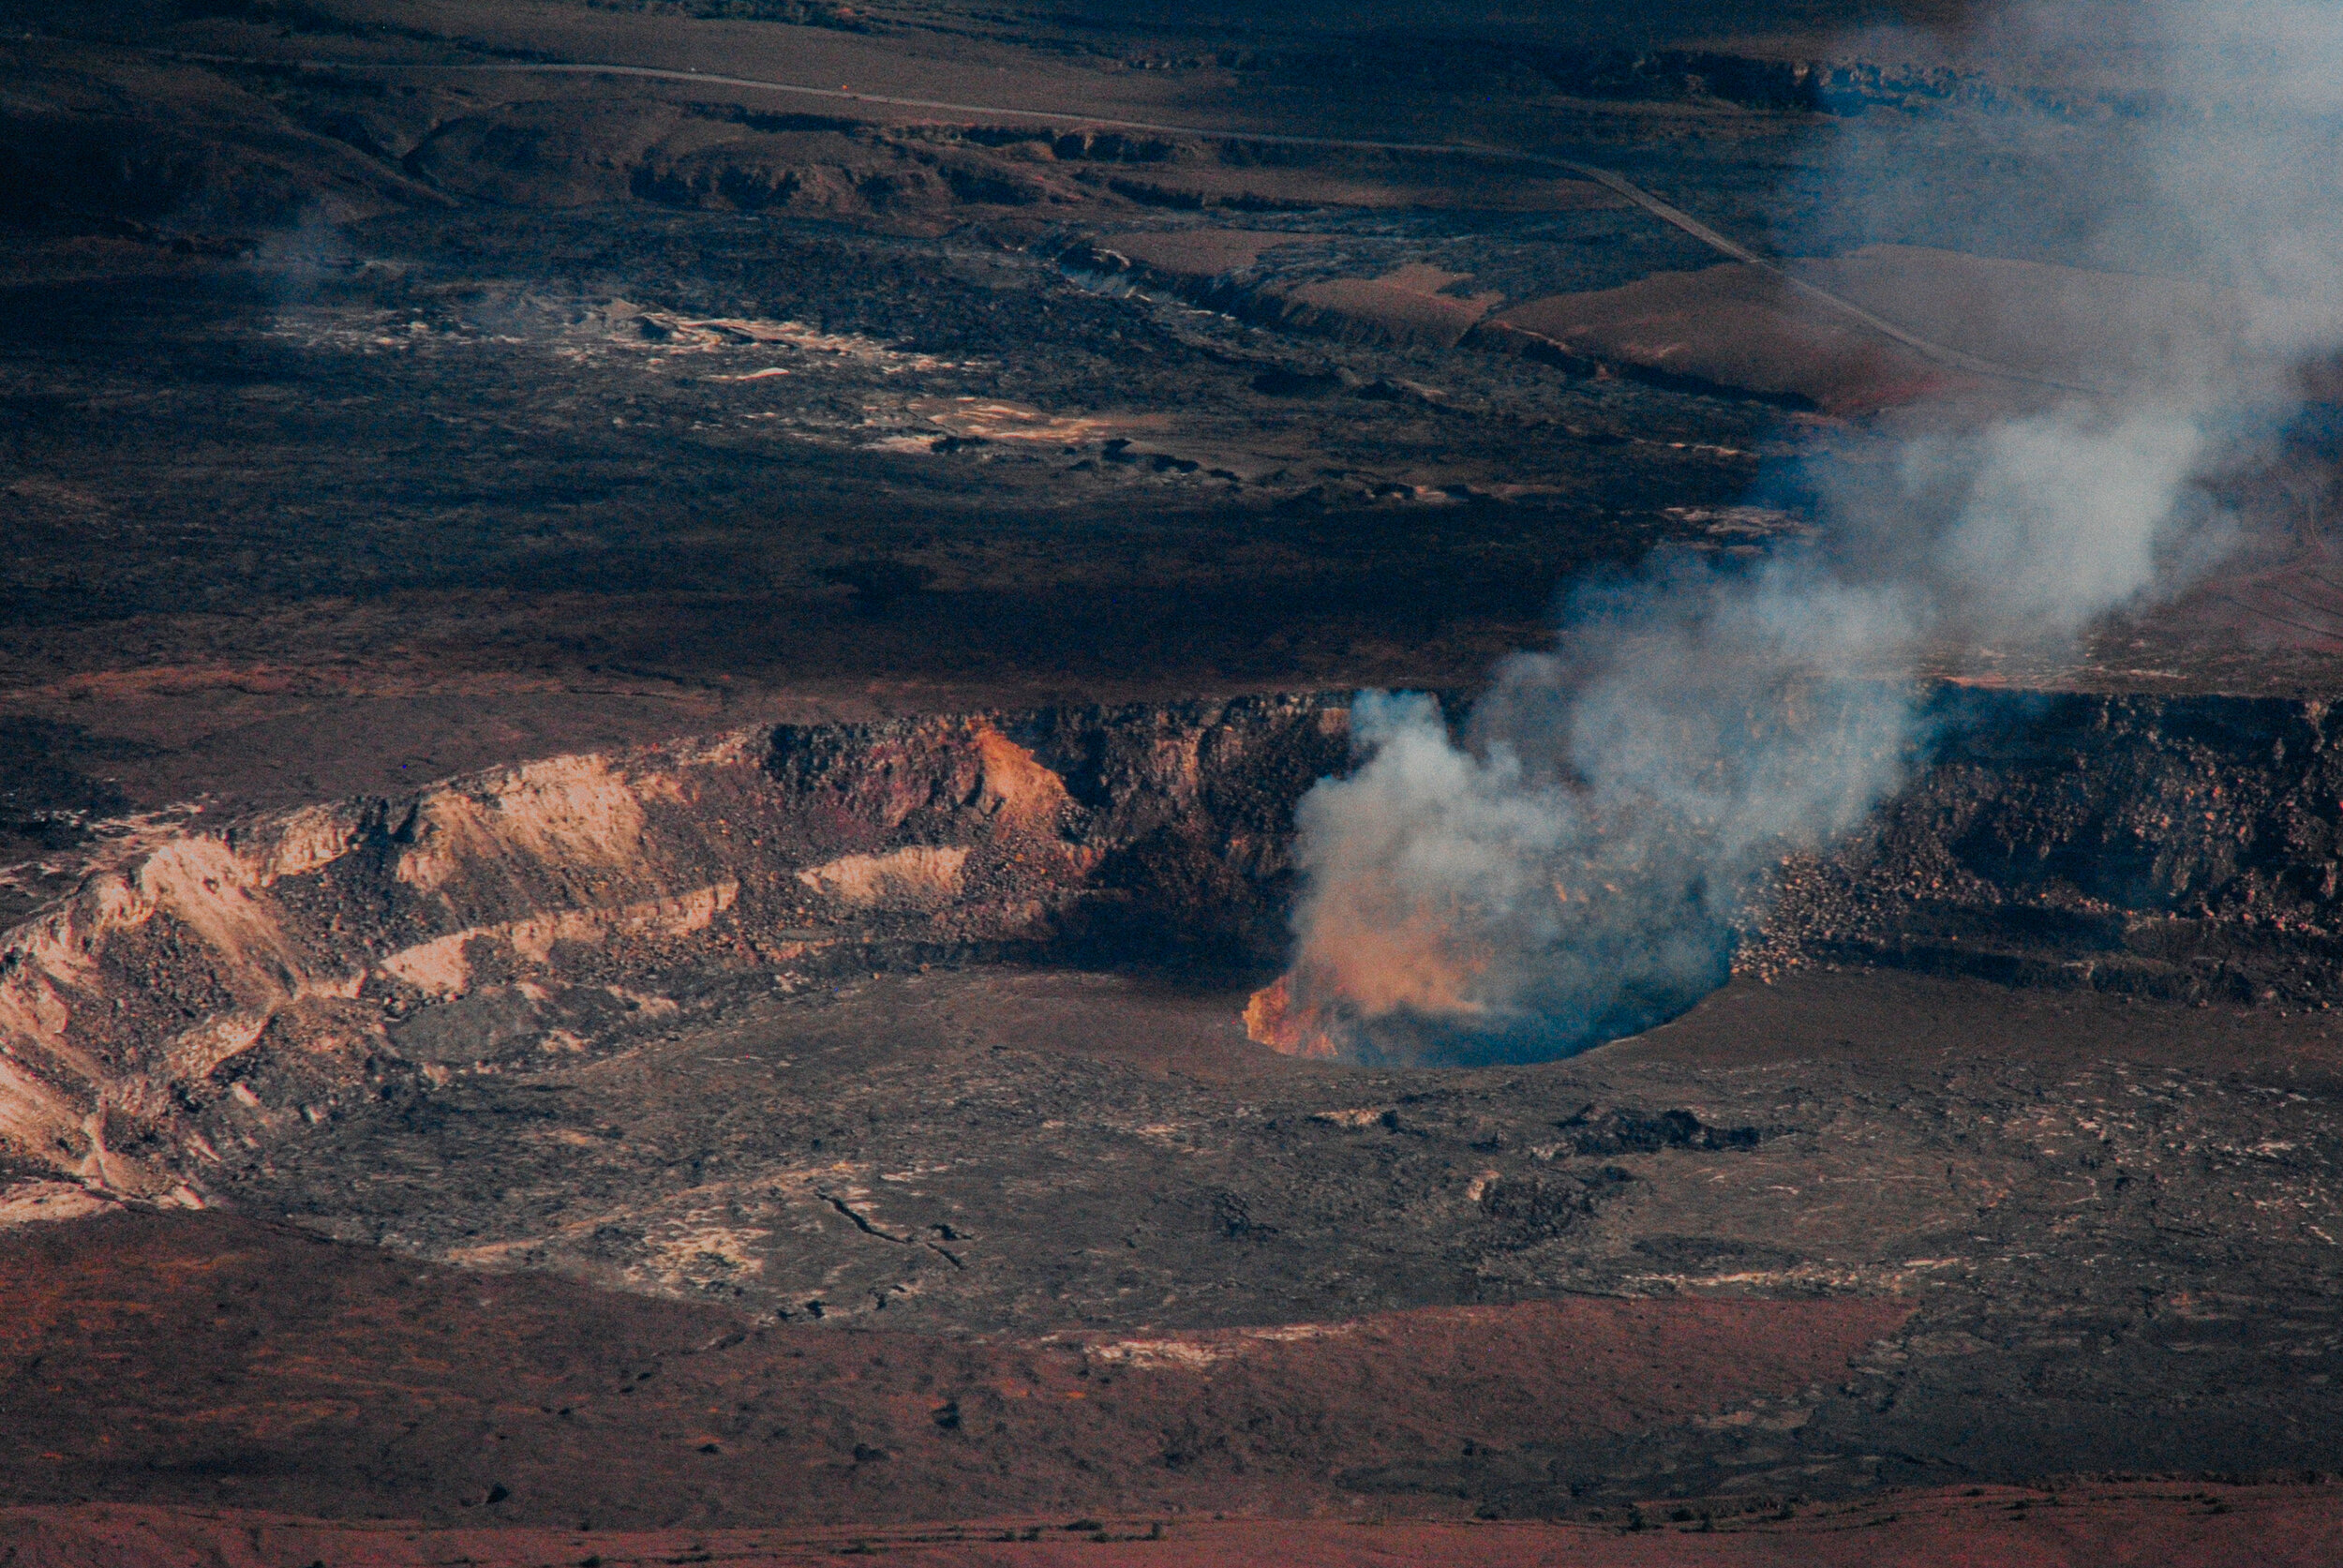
760 1145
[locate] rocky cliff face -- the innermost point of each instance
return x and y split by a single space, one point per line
2180 848
494 920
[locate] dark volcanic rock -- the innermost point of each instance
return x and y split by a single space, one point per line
2183 849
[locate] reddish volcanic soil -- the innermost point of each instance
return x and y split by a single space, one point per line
202 1359
2101 1526
400 391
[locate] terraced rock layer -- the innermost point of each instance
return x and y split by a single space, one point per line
505 919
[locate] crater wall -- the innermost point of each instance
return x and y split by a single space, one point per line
289 963
308 956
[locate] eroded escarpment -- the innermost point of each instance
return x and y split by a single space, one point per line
296 960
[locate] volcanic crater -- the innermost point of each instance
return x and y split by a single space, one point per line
660 665
931 1027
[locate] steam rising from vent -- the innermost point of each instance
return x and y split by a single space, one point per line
1581 860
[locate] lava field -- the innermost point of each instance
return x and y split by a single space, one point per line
687 691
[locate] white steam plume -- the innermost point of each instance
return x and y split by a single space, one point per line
1581 863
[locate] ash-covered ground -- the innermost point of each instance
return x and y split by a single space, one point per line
430 473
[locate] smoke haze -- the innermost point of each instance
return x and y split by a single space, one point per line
1581 861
